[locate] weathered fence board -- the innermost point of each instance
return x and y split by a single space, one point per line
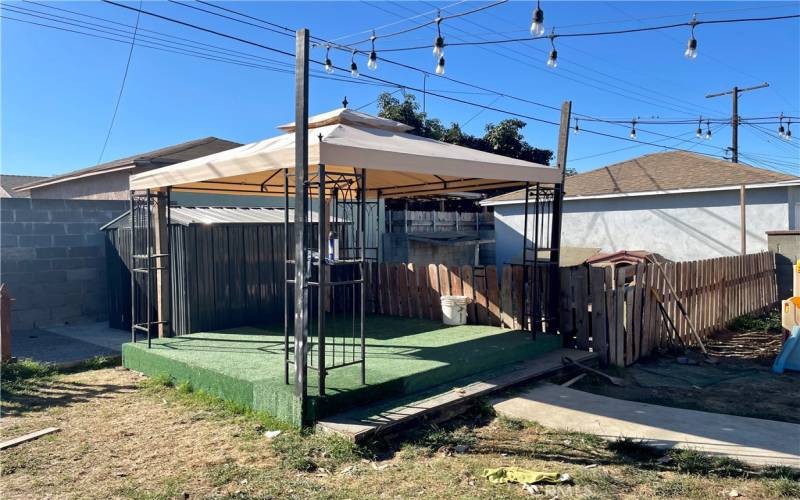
617 313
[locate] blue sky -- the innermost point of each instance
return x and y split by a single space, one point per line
59 88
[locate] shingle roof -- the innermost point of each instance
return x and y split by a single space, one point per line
9 182
159 157
672 170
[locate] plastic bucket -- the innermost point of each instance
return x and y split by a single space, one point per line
454 309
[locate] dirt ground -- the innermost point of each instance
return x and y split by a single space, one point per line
123 436
741 383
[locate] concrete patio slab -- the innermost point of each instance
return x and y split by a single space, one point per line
68 344
752 440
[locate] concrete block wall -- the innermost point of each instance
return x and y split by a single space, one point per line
52 257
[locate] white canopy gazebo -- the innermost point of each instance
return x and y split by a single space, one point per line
356 157
399 164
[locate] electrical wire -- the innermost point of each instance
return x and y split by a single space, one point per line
121 87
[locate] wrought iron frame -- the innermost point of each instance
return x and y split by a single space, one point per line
346 193
144 261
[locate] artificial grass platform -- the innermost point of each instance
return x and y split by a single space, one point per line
404 356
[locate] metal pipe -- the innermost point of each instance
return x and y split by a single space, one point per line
286 280
149 265
132 217
322 218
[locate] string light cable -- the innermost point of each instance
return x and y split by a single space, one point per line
388 82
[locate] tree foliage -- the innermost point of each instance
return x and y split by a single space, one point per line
504 138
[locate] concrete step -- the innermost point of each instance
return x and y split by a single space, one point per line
362 423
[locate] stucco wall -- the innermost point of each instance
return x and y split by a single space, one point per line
679 226
109 186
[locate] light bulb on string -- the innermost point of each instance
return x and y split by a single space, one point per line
353 66
537 25
699 132
577 128
438 44
781 130
552 60
691 45
708 130
440 67
633 130
372 62
788 134
328 63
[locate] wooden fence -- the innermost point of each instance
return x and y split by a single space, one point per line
623 316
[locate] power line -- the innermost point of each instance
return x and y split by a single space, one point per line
121 87
388 82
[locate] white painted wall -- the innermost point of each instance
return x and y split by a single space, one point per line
684 226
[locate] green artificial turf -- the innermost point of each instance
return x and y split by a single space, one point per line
404 356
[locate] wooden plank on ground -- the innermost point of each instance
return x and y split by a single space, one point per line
28 437
382 417
469 293
493 295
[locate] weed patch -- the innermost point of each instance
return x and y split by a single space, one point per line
634 449
309 452
695 462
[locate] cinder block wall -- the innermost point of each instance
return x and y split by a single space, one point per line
53 259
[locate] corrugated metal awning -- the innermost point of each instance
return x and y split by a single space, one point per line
217 215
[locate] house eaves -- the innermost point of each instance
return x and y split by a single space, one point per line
489 203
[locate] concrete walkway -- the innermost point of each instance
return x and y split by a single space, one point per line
68 344
752 440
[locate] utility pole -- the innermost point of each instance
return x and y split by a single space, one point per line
734 93
735 115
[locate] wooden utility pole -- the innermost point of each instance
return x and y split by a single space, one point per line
558 208
301 261
734 93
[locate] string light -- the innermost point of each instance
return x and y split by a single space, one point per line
708 130
699 132
552 61
372 63
788 134
438 44
440 66
537 26
691 45
328 63
353 66
576 129
633 129
781 130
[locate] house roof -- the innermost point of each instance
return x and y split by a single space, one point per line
9 182
186 216
660 172
398 164
159 157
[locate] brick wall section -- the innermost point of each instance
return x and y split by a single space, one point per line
53 259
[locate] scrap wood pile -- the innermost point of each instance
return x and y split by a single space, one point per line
750 345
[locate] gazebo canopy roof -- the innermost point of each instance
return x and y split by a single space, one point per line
398 164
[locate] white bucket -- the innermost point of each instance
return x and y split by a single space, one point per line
454 309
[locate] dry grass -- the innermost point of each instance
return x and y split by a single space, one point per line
123 438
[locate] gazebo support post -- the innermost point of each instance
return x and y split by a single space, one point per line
558 208
322 286
362 221
161 237
301 267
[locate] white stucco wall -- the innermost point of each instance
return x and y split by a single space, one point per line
684 226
